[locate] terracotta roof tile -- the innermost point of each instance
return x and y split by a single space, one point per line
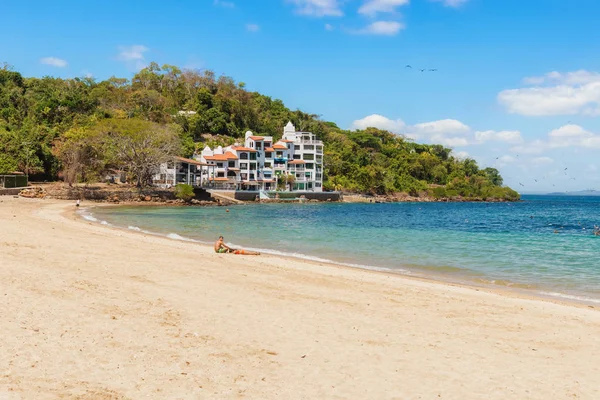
190 161
257 138
243 149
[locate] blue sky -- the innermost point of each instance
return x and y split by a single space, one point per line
516 85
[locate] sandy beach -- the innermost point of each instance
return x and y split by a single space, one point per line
90 312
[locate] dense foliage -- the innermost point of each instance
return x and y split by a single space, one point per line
78 128
184 192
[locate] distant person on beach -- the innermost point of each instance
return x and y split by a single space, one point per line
77 204
222 248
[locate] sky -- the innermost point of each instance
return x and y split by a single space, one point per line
514 84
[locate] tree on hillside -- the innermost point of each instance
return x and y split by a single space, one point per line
139 146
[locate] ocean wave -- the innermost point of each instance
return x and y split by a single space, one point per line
175 236
325 260
134 228
89 217
571 297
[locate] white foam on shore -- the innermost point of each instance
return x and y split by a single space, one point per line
571 297
175 236
325 260
134 228
89 217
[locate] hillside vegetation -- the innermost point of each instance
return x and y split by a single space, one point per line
78 128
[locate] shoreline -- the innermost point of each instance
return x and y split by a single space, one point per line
91 312
578 299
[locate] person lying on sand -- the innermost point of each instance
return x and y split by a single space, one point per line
221 247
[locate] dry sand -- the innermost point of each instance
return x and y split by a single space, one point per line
91 312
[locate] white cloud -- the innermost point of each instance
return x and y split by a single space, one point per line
379 121
55 62
252 27
384 28
132 53
452 3
448 132
449 141
329 27
570 78
555 93
512 137
223 3
542 161
567 136
133 56
372 7
318 8
461 155
444 126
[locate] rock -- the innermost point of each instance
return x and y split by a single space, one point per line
147 198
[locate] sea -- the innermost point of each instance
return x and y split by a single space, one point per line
543 245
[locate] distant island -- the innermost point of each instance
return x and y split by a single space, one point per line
81 130
589 192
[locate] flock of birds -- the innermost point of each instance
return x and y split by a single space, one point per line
423 69
435 70
537 180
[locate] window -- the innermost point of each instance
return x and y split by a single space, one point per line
220 174
318 177
310 166
252 166
309 147
253 156
296 147
220 165
267 175
268 154
267 144
317 184
244 176
244 165
268 165
231 164
258 145
296 156
289 146
279 154
308 157
243 156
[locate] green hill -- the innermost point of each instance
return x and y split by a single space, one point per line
51 127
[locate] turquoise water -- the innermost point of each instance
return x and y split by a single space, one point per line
508 244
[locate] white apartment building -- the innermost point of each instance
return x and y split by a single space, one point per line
293 163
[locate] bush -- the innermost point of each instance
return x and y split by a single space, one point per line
184 192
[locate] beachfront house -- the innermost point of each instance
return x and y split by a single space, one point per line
294 163
181 170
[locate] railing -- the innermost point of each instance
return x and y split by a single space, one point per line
310 142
